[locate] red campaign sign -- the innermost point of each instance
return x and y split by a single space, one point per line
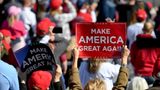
100 39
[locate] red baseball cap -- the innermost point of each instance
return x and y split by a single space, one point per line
55 4
40 79
141 14
86 17
43 26
6 33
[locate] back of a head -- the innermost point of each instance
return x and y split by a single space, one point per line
39 80
148 27
94 65
137 83
96 84
43 26
141 15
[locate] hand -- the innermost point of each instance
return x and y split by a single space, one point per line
50 30
72 44
125 54
75 59
75 53
110 20
51 34
58 73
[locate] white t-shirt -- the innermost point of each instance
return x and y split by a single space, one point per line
134 30
107 72
29 18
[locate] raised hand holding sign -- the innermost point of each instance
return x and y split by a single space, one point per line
100 39
35 57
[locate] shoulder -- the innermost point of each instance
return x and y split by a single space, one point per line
130 30
28 13
2 63
5 23
6 66
131 27
109 66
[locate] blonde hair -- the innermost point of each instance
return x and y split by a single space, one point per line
137 83
94 65
148 27
96 84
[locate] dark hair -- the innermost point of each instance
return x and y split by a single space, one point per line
139 19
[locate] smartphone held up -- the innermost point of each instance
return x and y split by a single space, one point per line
57 30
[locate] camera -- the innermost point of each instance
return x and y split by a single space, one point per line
57 30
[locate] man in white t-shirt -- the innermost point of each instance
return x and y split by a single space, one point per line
135 29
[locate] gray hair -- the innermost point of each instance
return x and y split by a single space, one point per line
137 83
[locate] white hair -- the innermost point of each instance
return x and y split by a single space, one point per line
137 83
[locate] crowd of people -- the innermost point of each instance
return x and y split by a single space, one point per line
53 23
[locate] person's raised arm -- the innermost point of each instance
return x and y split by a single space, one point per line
122 79
75 58
125 54
74 79
58 73
67 17
57 77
